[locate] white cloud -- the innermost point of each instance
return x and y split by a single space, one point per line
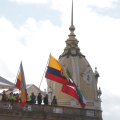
100 3
9 46
30 1
110 104
40 37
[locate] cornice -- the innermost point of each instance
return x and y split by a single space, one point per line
69 53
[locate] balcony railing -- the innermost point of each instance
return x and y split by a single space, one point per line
49 109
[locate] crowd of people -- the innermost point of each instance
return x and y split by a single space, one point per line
30 99
10 97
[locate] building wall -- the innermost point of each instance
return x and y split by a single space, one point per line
47 112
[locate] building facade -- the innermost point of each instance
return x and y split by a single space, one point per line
80 69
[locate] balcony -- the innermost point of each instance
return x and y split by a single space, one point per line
14 111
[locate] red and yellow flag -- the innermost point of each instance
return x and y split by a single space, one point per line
21 85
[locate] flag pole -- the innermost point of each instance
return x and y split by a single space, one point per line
44 71
19 96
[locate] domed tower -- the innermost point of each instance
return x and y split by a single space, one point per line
84 77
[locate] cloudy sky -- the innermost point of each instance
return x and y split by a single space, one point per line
32 29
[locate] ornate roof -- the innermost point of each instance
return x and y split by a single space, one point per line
71 42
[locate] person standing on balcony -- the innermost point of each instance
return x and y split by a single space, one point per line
54 101
9 96
46 100
14 97
33 97
39 98
28 98
4 96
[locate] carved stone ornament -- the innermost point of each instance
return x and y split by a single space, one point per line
58 110
90 113
7 106
87 76
72 54
72 44
27 108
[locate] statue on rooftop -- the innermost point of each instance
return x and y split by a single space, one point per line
99 93
50 94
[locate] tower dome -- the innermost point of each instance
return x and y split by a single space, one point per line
84 77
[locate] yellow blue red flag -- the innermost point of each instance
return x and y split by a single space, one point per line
21 85
57 73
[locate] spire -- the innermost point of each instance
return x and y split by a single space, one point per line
72 48
72 28
72 14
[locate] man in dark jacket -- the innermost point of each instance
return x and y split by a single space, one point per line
39 98
54 101
46 100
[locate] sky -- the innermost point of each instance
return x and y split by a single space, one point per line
32 29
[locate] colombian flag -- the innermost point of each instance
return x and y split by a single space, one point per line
57 73
21 85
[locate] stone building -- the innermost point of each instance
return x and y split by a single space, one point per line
76 63
68 108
